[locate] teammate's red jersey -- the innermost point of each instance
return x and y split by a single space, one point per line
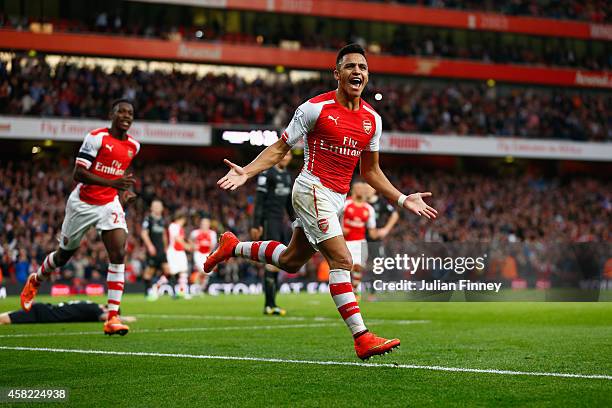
334 138
107 157
175 231
356 218
204 241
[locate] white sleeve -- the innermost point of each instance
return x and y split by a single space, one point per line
173 231
213 239
374 144
303 121
193 235
89 150
371 223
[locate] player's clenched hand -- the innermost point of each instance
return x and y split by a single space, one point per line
414 202
256 233
124 183
234 178
127 197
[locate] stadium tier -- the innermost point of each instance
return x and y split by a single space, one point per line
32 87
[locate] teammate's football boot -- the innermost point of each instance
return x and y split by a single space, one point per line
29 292
278 311
114 326
224 251
368 345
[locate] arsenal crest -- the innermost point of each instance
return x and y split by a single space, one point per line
367 126
323 225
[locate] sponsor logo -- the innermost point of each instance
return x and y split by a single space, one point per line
367 126
109 147
425 66
595 80
334 119
323 225
114 169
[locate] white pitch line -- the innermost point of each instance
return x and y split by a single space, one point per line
314 362
177 329
293 318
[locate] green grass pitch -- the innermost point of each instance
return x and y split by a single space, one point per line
527 337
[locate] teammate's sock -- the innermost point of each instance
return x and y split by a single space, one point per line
270 287
356 278
115 279
268 252
341 290
45 269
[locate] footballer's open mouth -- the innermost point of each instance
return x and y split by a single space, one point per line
355 82
125 123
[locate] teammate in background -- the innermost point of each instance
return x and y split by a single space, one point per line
203 241
177 257
357 218
386 218
338 129
153 235
273 199
100 169
69 312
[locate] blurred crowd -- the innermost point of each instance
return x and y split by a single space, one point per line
290 31
589 10
473 207
32 87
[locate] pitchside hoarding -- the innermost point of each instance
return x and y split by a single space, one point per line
74 130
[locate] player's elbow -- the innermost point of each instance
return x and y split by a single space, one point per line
77 174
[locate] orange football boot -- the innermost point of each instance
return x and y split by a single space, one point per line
368 345
224 251
114 326
29 292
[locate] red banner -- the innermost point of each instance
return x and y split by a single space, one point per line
427 16
254 55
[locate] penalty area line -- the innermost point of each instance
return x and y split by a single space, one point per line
312 362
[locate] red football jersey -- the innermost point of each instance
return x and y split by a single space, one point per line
107 157
356 218
334 138
204 241
175 231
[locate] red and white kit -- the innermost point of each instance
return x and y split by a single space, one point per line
205 242
91 205
334 138
176 256
357 217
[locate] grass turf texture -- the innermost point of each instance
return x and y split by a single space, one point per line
533 337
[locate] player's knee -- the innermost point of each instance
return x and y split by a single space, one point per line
292 266
116 255
341 262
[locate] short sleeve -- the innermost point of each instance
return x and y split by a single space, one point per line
374 144
146 223
303 121
262 182
371 218
89 150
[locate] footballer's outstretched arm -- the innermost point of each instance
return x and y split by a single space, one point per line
237 175
373 174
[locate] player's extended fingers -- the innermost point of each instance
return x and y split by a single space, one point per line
229 163
430 214
427 194
430 208
226 184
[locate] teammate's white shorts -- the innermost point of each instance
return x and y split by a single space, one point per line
317 209
198 259
177 261
81 216
359 251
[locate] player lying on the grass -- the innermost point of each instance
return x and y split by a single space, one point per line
100 167
338 128
76 311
